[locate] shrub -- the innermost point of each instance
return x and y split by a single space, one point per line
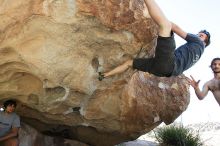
177 136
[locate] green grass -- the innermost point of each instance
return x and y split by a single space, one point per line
177 136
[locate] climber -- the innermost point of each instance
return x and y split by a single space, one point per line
167 61
9 124
211 85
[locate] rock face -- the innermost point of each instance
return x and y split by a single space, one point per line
51 52
29 136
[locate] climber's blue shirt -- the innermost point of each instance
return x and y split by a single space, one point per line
188 54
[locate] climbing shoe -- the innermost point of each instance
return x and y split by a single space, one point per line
101 76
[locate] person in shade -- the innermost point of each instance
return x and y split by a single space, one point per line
212 85
9 124
168 60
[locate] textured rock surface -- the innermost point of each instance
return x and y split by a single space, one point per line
51 51
29 136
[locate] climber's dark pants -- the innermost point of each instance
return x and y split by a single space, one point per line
163 62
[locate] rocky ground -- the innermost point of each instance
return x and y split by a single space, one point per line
209 133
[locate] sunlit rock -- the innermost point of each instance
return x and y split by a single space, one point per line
51 52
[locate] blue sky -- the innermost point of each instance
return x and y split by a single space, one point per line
192 16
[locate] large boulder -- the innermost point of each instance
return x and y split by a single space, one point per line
51 53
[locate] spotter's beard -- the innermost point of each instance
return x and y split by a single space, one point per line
216 72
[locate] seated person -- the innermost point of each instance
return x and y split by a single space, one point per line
9 124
